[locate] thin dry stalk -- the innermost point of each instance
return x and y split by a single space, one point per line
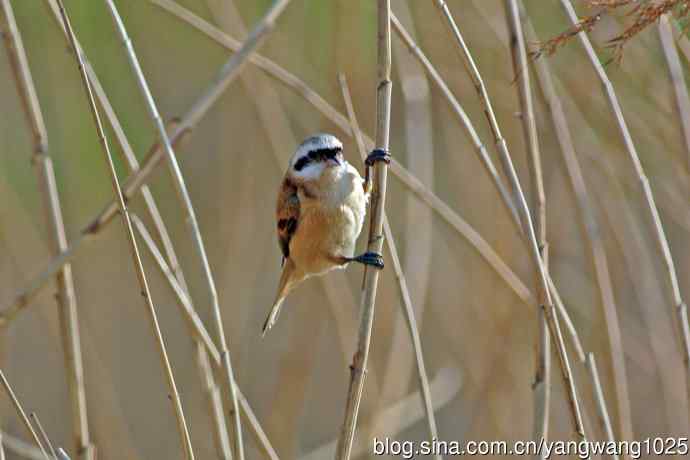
408 309
542 381
22 414
438 205
680 307
214 399
202 340
43 434
276 125
134 182
400 415
524 214
647 289
197 326
130 160
24 297
459 112
417 247
675 70
260 437
413 329
593 234
542 67
191 220
603 414
378 199
203 337
569 326
2 447
145 292
128 153
66 297
461 226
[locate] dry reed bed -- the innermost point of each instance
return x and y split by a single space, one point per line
530 225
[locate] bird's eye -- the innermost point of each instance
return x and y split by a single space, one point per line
301 163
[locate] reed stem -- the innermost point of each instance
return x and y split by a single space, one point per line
52 207
378 199
134 248
406 299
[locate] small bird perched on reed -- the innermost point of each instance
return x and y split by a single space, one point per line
320 213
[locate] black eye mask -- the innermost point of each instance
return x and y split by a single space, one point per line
317 155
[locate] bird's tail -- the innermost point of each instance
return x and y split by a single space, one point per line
284 286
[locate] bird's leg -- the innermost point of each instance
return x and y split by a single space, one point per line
368 258
372 158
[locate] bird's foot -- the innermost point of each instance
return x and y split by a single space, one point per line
378 155
370 258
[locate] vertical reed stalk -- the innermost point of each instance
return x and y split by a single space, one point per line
66 296
542 381
438 205
601 402
459 112
191 220
417 248
145 292
203 338
679 305
442 209
525 219
680 88
406 299
130 160
43 434
22 415
199 330
590 225
378 200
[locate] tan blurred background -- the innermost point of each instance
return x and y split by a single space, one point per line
479 338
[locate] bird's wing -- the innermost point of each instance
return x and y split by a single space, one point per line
287 215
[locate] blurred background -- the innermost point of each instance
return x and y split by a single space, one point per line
479 337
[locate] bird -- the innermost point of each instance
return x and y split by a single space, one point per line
320 212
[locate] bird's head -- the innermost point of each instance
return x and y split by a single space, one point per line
315 155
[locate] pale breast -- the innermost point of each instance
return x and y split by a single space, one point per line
330 223
350 201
